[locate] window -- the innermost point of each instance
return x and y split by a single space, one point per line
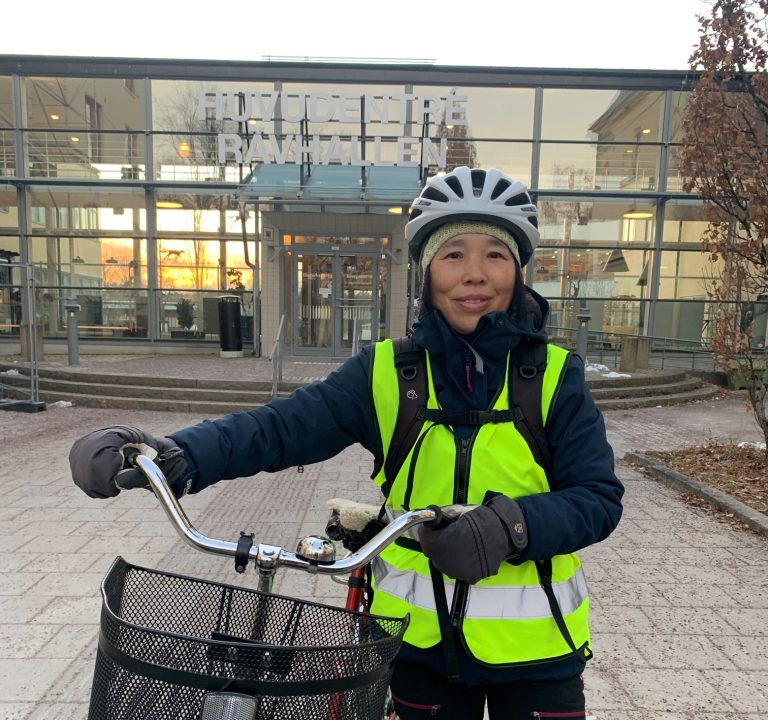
93 117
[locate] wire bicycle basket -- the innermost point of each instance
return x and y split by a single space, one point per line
166 640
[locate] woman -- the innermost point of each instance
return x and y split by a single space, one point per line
497 599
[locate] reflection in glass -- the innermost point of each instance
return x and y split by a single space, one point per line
356 302
92 103
602 115
616 277
6 107
10 287
7 153
189 314
685 320
513 159
315 291
571 221
9 216
679 103
675 179
86 210
599 167
490 112
684 223
104 313
687 274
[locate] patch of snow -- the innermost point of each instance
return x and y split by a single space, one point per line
12 371
596 367
613 374
62 403
757 445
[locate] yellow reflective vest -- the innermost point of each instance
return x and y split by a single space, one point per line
506 618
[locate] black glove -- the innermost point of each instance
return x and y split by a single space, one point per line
476 543
97 458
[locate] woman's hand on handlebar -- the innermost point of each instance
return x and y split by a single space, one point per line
99 460
474 545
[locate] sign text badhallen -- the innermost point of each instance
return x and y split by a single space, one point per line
325 148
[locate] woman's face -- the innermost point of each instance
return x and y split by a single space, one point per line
470 276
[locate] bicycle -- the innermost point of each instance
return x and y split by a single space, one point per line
173 647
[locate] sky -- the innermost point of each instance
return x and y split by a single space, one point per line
619 34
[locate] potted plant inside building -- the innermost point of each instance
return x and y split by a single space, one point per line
185 314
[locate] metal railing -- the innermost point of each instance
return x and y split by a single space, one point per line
605 348
28 340
276 358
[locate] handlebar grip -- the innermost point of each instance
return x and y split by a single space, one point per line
131 479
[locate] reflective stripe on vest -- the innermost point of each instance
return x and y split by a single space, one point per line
508 620
485 602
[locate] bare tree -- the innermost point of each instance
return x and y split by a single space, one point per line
725 160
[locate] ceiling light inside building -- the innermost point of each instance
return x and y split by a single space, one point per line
635 214
54 116
646 131
169 204
397 210
75 139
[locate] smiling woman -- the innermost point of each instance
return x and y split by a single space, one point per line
471 275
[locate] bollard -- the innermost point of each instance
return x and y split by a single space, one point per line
583 317
643 352
628 358
72 307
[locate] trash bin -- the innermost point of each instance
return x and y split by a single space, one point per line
230 332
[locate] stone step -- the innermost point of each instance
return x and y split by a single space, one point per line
202 408
685 384
646 377
157 381
702 393
242 395
218 396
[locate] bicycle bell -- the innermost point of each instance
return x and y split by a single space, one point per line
316 549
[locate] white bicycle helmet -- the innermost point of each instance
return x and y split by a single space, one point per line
480 195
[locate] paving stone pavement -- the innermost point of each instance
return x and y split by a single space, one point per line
680 608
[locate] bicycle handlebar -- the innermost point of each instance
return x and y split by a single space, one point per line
268 556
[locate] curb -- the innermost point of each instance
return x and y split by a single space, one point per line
756 520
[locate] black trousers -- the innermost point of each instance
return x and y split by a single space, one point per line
420 693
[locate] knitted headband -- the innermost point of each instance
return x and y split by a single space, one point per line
450 230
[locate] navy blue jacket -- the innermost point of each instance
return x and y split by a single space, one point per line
318 421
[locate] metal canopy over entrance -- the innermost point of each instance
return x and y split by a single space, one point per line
331 182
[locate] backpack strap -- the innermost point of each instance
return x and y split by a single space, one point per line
411 368
526 380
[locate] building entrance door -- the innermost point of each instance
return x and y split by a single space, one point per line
335 302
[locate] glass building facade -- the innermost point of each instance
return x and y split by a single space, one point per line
148 189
